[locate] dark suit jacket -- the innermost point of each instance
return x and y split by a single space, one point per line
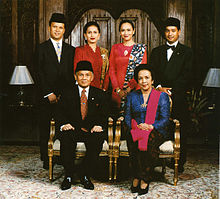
52 75
69 109
175 73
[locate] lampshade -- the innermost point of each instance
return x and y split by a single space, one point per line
212 78
21 76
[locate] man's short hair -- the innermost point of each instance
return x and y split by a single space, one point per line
57 17
171 21
83 65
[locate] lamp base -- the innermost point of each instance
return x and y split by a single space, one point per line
21 103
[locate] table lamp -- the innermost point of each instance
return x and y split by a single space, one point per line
21 77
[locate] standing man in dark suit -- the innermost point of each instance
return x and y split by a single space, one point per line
54 72
83 113
172 64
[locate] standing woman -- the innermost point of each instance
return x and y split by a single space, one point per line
124 58
96 55
146 116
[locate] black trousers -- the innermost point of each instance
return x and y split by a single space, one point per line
93 143
180 111
142 162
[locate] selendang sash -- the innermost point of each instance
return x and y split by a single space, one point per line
141 135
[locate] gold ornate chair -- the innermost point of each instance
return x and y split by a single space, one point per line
54 148
169 149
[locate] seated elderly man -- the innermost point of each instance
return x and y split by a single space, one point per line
82 116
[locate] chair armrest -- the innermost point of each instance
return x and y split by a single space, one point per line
117 136
110 133
177 136
52 134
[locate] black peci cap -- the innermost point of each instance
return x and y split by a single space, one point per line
83 65
57 17
171 21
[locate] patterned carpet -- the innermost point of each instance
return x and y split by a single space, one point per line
22 177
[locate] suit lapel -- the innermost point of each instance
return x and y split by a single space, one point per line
63 52
51 51
91 98
176 53
163 57
76 100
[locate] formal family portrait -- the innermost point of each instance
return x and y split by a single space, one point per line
109 99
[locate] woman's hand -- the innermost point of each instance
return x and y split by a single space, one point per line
144 126
122 93
128 90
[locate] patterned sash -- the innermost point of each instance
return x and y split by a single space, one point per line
135 59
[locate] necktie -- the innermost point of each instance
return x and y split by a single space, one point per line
84 104
172 47
58 51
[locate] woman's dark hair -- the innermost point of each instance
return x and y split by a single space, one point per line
143 67
126 21
91 23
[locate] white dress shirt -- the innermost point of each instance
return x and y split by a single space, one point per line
170 51
55 43
55 47
80 91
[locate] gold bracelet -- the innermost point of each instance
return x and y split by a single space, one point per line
118 91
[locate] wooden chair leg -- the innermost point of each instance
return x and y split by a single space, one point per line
110 167
115 167
176 172
50 168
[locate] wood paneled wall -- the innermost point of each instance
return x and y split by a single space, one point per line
24 24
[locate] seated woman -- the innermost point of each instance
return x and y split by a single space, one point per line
146 116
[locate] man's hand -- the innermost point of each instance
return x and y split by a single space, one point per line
165 90
144 126
53 98
67 127
96 129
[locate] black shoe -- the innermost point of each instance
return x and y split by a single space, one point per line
87 183
66 184
46 165
134 189
143 191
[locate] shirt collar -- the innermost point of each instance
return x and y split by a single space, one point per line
80 90
55 42
173 44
